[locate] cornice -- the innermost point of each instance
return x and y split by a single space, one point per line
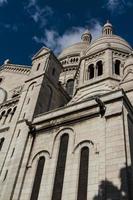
19 69
74 113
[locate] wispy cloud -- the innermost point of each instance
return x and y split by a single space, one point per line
118 6
57 42
37 13
2 2
10 27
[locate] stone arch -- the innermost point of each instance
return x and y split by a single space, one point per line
58 135
9 110
83 143
36 157
3 112
31 85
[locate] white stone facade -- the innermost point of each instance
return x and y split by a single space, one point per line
86 94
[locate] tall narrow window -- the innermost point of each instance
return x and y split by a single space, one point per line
60 169
38 66
37 180
117 67
5 175
49 95
1 142
70 86
99 68
91 71
83 174
53 71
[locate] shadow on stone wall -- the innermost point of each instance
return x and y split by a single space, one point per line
109 191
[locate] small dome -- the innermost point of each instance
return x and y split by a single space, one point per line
107 29
108 24
74 49
86 37
112 41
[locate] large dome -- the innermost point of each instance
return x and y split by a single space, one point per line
73 49
108 39
113 41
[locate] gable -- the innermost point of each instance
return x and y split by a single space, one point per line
41 52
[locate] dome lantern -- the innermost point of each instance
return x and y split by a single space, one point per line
86 36
107 29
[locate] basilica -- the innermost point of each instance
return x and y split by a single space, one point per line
66 122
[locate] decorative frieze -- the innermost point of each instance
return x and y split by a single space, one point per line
17 69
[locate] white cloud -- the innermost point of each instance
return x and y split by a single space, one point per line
37 13
57 42
112 4
10 27
2 2
119 6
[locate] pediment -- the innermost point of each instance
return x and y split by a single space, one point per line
41 52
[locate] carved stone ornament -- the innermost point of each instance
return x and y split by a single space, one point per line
17 91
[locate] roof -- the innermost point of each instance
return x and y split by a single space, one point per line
113 41
73 49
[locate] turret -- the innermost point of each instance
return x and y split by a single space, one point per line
86 36
107 29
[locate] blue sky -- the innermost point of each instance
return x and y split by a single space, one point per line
27 25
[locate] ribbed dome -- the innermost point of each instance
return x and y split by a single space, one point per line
113 41
74 49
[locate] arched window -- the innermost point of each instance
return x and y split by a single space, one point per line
117 67
91 71
70 86
60 169
3 113
3 117
37 180
99 66
1 142
83 174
